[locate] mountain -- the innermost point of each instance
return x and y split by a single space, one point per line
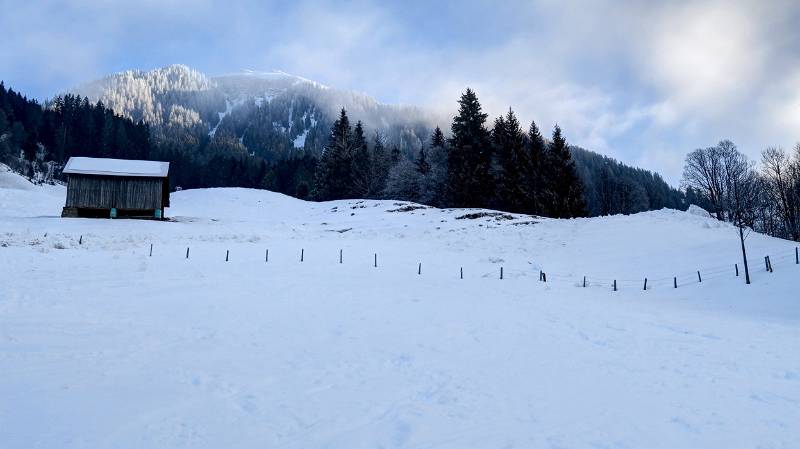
272 114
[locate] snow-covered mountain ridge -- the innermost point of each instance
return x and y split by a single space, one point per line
259 320
257 107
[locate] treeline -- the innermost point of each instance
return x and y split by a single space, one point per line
611 187
764 197
498 165
503 167
36 141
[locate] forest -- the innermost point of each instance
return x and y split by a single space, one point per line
500 164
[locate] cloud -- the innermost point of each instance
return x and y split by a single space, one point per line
644 82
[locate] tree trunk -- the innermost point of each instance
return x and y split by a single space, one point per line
744 256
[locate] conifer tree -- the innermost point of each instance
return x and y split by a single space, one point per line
423 167
437 138
512 165
380 167
469 160
537 180
566 186
334 170
361 164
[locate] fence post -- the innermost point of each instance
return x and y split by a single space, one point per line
544 276
736 265
501 273
540 275
645 284
151 250
227 252
462 272
187 252
615 285
699 279
769 262
419 269
675 281
796 256
302 254
80 240
766 263
376 260
340 256
584 282
266 256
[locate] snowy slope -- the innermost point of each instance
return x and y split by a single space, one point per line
278 105
103 346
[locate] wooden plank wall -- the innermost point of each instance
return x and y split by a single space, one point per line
105 192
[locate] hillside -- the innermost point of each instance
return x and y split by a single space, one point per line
273 114
103 345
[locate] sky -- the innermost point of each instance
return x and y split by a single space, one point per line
644 82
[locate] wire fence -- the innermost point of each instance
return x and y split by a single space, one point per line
680 279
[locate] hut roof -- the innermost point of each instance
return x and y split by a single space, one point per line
116 167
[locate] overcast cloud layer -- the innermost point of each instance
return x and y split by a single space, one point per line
640 81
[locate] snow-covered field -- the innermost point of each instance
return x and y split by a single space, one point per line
104 346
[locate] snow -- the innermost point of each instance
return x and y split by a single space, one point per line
300 140
103 346
116 167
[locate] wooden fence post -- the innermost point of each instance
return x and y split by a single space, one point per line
227 253
501 273
544 276
699 279
376 260
462 272
302 254
266 256
769 262
796 256
340 256
80 240
736 266
187 252
645 284
675 281
151 250
584 282
615 285
419 269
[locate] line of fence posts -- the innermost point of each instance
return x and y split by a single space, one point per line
542 275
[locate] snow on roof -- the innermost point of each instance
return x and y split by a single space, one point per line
116 167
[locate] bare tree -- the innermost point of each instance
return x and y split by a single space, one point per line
731 185
782 178
741 193
704 172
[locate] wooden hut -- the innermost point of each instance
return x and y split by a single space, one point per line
111 188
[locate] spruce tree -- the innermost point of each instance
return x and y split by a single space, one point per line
380 167
333 177
566 186
437 139
469 160
512 164
423 167
538 180
361 164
